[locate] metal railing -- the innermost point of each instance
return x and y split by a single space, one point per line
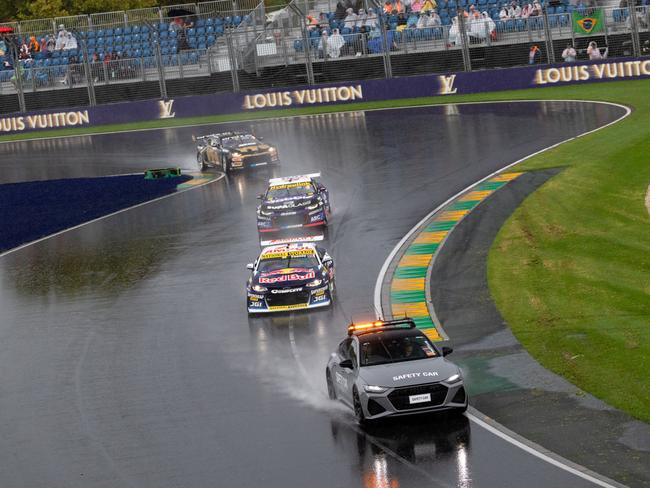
286 48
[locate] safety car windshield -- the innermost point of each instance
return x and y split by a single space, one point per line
394 346
287 261
290 190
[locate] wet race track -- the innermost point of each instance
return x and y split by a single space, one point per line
126 355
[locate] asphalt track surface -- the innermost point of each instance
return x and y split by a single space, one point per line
127 358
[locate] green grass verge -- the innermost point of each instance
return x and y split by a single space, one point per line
570 270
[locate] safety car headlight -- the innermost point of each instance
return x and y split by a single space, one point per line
315 283
375 389
259 288
272 150
453 378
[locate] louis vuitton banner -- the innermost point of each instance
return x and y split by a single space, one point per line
332 94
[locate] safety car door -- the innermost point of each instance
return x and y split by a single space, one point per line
342 377
326 260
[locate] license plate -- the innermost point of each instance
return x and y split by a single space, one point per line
425 397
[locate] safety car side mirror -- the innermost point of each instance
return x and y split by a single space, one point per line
446 350
346 364
250 266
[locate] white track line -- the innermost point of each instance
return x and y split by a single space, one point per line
22 246
494 427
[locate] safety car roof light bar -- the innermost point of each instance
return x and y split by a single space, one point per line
380 325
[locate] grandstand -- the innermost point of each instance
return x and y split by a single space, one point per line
145 53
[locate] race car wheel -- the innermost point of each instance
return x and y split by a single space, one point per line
200 162
226 166
332 286
358 409
331 392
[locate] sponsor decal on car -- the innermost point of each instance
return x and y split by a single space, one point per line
288 307
290 290
287 277
423 398
408 376
341 380
286 254
286 186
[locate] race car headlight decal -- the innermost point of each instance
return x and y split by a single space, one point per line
259 288
314 283
313 206
266 213
453 378
236 156
374 389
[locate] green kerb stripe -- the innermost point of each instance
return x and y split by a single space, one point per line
438 226
422 248
410 272
489 185
423 322
464 205
407 296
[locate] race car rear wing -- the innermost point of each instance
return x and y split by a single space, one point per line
358 329
292 240
289 179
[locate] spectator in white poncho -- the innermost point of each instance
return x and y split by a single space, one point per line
372 21
330 46
350 19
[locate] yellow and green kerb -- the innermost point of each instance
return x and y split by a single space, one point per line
198 179
408 285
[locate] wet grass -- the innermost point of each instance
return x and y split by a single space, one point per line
570 270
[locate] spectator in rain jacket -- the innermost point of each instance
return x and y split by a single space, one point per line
593 52
361 18
429 5
569 54
34 46
350 19
372 21
416 6
533 54
340 11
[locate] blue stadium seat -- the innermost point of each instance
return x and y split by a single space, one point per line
108 33
200 23
90 35
200 31
236 20
100 33
297 46
211 40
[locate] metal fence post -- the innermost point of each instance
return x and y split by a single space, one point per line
550 52
305 42
636 43
89 75
18 74
388 67
233 63
464 42
159 65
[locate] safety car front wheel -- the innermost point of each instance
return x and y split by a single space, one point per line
358 409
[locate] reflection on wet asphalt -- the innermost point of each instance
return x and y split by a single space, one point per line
127 358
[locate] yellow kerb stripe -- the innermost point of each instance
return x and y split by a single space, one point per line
194 182
430 237
407 284
415 260
506 177
475 196
432 334
452 215
417 309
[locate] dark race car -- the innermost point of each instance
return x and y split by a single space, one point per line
290 276
230 151
293 202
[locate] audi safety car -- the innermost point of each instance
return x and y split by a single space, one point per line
233 151
391 368
290 275
293 202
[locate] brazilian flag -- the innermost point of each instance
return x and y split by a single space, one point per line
589 23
